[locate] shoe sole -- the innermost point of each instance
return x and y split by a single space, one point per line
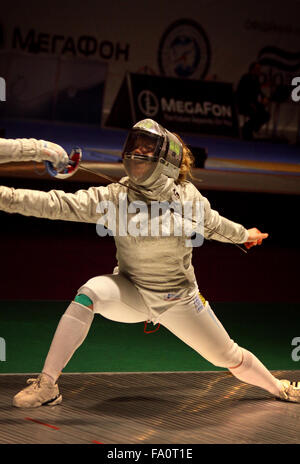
289 400
53 402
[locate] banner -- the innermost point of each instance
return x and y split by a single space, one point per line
185 106
194 41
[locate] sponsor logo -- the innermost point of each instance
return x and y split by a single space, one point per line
198 304
278 58
148 103
172 297
271 27
279 70
173 108
205 108
33 41
184 50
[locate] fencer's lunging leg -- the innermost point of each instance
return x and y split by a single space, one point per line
203 332
112 296
251 370
71 331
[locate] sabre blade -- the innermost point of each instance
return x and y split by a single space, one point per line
104 176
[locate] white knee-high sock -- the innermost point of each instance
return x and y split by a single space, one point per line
252 371
71 331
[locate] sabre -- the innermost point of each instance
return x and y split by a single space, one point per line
73 166
108 178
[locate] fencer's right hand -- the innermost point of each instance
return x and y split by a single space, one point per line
49 151
23 150
255 237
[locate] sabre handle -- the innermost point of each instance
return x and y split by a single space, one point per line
69 170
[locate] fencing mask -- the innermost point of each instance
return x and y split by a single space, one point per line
149 151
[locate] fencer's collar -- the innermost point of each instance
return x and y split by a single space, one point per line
159 190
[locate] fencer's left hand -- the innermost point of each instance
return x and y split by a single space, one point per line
49 151
255 237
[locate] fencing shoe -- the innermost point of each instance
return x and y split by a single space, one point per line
290 391
41 392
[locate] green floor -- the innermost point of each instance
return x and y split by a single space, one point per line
27 328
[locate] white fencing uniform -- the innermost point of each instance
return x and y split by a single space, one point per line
184 314
156 280
12 150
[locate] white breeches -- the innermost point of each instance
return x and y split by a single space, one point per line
118 299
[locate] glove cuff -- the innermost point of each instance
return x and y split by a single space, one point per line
31 149
246 236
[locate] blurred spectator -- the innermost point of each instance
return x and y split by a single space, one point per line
251 102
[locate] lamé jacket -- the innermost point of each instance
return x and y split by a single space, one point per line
153 261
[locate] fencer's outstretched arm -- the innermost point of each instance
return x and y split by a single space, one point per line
216 227
57 204
18 150
219 228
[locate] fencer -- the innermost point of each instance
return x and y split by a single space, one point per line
154 278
